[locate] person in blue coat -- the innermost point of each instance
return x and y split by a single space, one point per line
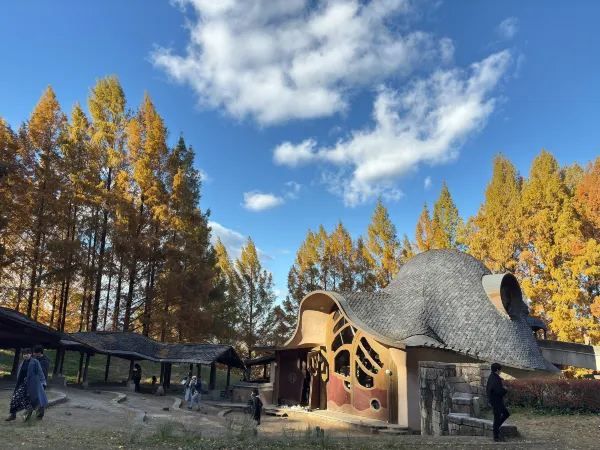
36 388
20 398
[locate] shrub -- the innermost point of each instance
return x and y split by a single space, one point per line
566 395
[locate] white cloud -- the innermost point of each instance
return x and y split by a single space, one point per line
292 190
204 177
427 183
259 201
508 28
424 123
231 239
275 60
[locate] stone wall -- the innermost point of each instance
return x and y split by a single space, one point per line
447 388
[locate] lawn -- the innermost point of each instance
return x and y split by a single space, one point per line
119 369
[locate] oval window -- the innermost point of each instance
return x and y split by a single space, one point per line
375 404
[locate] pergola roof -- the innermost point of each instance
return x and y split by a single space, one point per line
136 346
18 330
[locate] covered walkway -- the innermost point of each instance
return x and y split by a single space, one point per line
18 331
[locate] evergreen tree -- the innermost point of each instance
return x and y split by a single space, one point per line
445 222
424 231
365 280
255 290
383 246
551 230
107 107
495 238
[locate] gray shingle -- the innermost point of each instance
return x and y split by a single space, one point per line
437 299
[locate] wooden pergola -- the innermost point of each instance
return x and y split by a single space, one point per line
18 331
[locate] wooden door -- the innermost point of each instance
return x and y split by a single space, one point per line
319 375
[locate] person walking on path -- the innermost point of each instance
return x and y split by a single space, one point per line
36 387
38 353
496 392
20 399
136 376
192 394
257 406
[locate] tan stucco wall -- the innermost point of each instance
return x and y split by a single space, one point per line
313 321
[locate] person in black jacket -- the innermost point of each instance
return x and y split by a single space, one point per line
257 405
136 376
496 392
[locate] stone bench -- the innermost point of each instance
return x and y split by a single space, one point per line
461 424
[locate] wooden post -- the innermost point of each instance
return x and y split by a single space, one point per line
191 372
56 362
162 374
62 362
213 377
168 367
228 377
107 368
15 364
130 371
79 371
264 371
85 369
198 372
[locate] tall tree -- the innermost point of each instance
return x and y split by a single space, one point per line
382 243
107 107
256 298
495 230
339 253
45 132
424 231
365 280
446 221
551 230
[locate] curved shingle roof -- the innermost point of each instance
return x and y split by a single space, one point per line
438 300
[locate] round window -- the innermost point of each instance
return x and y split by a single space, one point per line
375 404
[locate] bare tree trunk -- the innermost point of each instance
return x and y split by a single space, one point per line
100 269
117 310
110 274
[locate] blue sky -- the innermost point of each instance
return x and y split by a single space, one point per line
302 115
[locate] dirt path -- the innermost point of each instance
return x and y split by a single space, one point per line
92 420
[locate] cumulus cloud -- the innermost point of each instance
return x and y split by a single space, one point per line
424 123
232 240
508 28
259 201
276 60
427 183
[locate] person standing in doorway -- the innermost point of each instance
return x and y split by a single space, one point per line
496 392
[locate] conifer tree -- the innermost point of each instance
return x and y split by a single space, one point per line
383 246
107 107
424 231
551 230
407 250
255 290
495 238
445 222
338 257
365 280
44 136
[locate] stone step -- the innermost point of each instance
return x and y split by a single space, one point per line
462 398
463 424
